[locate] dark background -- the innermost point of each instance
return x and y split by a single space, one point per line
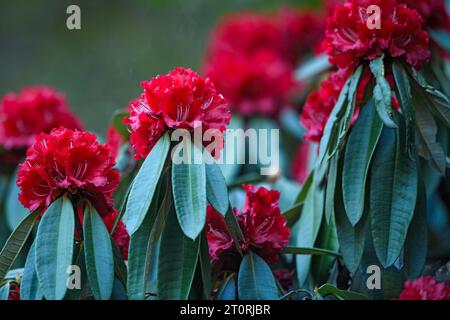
120 43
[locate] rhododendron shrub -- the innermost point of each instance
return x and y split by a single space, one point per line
67 181
376 121
152 214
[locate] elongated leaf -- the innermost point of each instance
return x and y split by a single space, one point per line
382 93
98 255
358 154
227 290
415 251
328 290
140 253
189 195
403 87
144 185
393 191
312 68
216 188
29 286
351 238
117 122
54 248
205 267
255 279
442 38
14 210
308 226
15 243
427 131
327 239
177 261
4 291
311 251
331 186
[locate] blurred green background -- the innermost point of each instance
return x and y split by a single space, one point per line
120 43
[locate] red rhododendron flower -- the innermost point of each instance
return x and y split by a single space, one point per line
349 40
301 31
245 34
261 84
120 236
249 62
33 110
285 277
319 105
114 141
67 161
263 226
425 288
179 100
14 292
433 12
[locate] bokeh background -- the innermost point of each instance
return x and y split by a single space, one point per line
120 43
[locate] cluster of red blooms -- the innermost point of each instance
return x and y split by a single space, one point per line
179 100
33 110
67 161
25 114
425 288
262 224
71 162
251 57
349 41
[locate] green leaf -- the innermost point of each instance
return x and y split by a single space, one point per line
189 194
310 251
98 255
328 290
351 238
312 68
382 93
14 210
415 251
54 248
205 267
4 292
327 239
393 191
308 226
358 154
144 185
216 188
293 214
227 290
441 37
177 262
140 252
117 122
15 243
330 187
403 87
255 279
428 146
29 286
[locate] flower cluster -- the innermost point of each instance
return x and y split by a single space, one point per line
262 224
349 40
179 100
425 288
433 12
67 161
33 110
251 57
